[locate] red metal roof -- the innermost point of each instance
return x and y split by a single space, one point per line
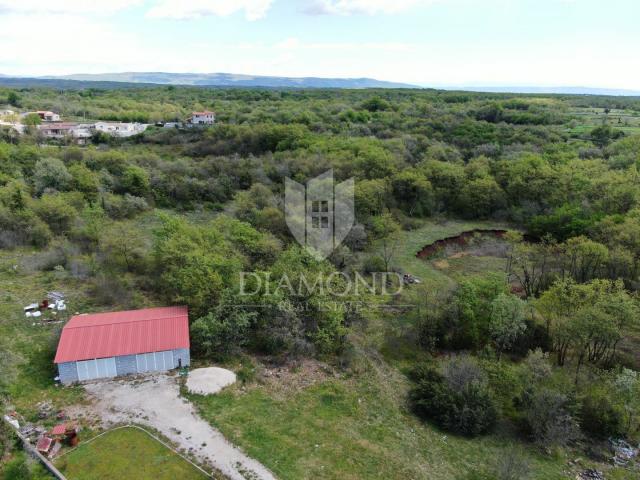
44 444
59 429
104 335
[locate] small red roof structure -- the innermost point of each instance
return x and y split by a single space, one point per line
44 444
105 335
59 429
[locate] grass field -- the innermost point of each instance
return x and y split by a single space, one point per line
413 241
29 371
126 453
586 119
351 424
357 425
352 428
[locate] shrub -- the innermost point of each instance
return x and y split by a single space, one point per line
108 289
56 212
511 465
549 419
600 418
374 264
537 364
17 469
222 331
127 206
51 173
470 410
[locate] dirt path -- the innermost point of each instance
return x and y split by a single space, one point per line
155 401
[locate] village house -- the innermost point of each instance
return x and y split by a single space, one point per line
82 133
119 129
48 116
18 127
202 118
106 345
58 130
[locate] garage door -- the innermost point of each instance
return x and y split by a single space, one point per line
99 368
155 362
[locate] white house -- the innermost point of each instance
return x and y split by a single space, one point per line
18 127
119 129
202 118
82 133
48 116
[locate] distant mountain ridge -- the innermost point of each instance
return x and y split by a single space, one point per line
230 80
618 92
226 80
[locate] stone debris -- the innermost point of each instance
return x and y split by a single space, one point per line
623 453
45 409
590 474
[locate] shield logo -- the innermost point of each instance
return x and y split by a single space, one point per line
321 215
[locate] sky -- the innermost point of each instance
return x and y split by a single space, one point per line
588 43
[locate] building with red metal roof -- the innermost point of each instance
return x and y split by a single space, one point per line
113 344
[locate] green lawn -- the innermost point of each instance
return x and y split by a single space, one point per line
30 348
413 241
126 453
352 428
588 118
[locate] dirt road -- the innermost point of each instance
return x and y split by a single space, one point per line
155 401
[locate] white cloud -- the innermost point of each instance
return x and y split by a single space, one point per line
71 7
359 7
103 48
189 9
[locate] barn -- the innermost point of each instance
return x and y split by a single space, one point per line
113 344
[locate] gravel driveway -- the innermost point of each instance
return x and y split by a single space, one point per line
155 401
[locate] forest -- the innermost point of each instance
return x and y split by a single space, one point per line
523 348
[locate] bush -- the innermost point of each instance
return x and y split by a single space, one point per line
537 365
127 206
600 418
511 465
108 289
222 331
374 264
549 419
51 174
22 227
56 212
468 410
17 469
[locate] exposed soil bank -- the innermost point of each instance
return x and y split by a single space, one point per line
458 240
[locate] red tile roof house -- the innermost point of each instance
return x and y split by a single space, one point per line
105 345
202 118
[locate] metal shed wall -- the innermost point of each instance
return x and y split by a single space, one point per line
71 372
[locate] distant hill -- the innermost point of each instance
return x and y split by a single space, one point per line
230 80
29 82
550 90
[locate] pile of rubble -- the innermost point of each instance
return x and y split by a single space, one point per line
623 453
54 303
590 474
47 442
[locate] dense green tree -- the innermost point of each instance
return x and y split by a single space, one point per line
413 192
51 173
507 321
